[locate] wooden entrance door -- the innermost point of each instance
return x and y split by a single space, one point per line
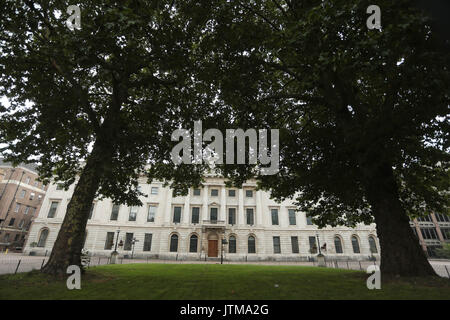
213 248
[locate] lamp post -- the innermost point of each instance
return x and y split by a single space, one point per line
224 241
133 242
117 239
318 242
320 256
114 254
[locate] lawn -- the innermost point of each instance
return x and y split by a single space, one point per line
215 281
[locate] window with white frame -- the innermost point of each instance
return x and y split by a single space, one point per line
133 214
151 213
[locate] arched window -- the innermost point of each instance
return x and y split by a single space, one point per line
251 244
355 244
193 243
373 244
43 238
338 244
232 245
174 243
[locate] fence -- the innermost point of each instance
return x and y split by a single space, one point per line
13 263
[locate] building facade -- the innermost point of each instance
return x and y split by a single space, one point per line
194 227
432 231
21 196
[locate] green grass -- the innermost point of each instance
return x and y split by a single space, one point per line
214 281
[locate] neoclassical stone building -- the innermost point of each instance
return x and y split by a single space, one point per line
193 227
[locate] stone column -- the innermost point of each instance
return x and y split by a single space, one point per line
240 214
186 213
223 204
168 208
204 211
259 214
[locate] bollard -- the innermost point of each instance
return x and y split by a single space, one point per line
42 263
18 264
360 267
448 273
98 261
347 265
121 261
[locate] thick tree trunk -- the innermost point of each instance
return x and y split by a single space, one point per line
69 242
401 254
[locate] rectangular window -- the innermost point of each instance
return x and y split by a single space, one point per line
292 217
128 241
52 211
276 245
309 221
294 242
59 186
11 222
17 208
27 181
133 214
22 194
196 192
213 214
115 212
312 245
195 215
27 209
32 195
154 190
151 213
214 192
442 217
429 233
249 193
250 217
232 193
232 216
21 223
446 233
148 242
274 213
176 214
109 242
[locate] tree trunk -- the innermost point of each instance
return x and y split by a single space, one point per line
401 253
70 240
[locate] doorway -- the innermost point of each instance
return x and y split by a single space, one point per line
213 248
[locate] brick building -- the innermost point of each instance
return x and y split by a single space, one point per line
21 196
432 231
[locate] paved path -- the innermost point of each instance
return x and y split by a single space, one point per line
9 262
